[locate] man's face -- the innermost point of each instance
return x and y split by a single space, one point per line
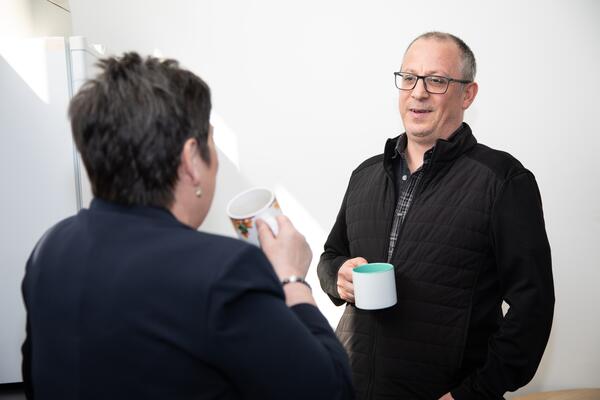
428 117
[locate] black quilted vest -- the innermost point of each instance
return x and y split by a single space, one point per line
434 336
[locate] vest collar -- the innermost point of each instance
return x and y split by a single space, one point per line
445 151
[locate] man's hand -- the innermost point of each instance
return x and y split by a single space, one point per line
447 396
345 287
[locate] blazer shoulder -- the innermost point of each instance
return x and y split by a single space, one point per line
54 234
224 246
224 259
240 262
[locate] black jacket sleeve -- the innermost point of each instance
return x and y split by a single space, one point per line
335 254
266 349
524 265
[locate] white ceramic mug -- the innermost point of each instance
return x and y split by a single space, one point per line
250 205
374 286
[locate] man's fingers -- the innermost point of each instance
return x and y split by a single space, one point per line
345 285
345 295
345 275
360 261
347 289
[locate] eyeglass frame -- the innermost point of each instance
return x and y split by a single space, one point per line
450 80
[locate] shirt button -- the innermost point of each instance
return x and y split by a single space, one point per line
404 177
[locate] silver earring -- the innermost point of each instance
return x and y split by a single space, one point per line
198 191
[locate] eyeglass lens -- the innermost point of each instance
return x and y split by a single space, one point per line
433 84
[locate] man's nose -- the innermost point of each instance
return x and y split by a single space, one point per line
419 90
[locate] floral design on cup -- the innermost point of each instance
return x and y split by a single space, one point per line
243 226
245 208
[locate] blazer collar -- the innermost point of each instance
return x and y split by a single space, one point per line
151 212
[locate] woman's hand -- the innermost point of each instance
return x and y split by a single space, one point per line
288 251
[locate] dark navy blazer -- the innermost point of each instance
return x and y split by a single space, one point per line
129 303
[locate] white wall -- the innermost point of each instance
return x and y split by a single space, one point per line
303 92
33 18
36 153
16 19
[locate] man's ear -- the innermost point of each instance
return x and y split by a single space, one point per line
189 162
469 94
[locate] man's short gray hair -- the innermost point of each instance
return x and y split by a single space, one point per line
469 66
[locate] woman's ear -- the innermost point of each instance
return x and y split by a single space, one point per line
189 162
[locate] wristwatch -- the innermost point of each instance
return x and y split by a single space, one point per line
294 279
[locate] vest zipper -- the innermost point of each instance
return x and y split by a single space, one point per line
391 223
412 203
389 239
416 196
419 190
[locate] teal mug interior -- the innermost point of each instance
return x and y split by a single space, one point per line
373 268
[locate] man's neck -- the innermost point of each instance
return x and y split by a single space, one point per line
415 150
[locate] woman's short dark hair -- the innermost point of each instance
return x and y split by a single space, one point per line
130 124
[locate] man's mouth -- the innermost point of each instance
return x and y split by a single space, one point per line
419 110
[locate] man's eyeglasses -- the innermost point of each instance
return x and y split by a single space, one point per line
433 84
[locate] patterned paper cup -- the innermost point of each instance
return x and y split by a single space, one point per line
250 205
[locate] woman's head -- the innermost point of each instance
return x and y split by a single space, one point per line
131 123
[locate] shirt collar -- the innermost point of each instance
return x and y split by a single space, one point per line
401 143
400 150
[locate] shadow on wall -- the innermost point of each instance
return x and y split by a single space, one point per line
231 181
28 59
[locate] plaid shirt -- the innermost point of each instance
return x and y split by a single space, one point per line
406 184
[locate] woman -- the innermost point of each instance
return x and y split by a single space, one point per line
127 300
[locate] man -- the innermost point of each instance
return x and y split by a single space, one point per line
463 226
